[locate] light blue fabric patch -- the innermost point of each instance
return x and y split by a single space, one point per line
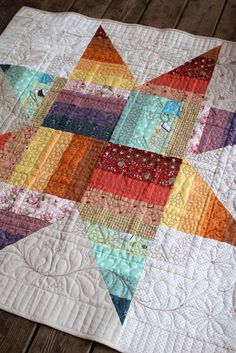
121 272
147 122
30 86
172 107
131 244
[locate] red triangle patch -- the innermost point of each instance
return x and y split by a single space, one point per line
193 76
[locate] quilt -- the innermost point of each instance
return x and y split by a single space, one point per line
118 182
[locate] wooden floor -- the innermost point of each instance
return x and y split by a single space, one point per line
215 18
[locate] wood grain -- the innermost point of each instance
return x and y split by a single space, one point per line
226 28
162 13
49 340
92 8
201 16
126 11
100 348
15 333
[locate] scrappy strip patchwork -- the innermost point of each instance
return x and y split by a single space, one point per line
215 128
92 101
23 212
138 182
161 114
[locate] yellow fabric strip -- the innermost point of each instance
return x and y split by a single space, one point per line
100 77
48 160
174 208
31 156
106 69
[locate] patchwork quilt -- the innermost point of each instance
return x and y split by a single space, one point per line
118 182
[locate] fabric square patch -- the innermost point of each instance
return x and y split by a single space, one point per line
155 123
133 181
139 165
85 109
40 159
76 165
54 162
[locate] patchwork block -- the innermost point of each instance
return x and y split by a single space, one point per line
155 123
75 168
161 114
140 180
93 100
85 108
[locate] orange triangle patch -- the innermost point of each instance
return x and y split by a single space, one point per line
101 49
101 64
194 208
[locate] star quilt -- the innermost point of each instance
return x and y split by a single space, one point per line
118 182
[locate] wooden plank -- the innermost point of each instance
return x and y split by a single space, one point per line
200 16
92 8
126 11
15 333
8 8
226 28
162 13
54 5
100 348
49 340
